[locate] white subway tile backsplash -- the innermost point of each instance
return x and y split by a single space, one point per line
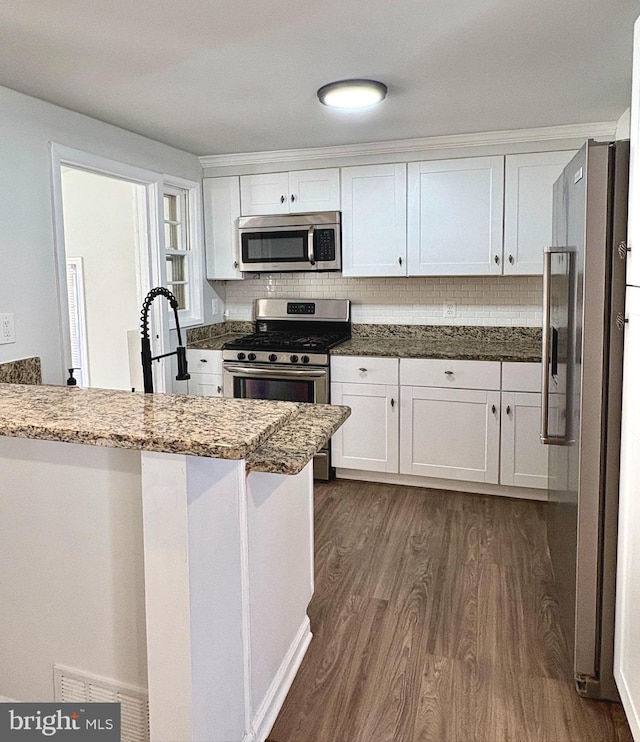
480 300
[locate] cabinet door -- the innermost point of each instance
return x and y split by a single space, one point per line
206 385
528 208
266 193
368 440
627 633
524 460
455 217
374 220
314 190
221 212
450 433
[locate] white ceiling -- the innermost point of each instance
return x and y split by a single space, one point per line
216 77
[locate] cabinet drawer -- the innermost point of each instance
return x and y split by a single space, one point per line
364 369
204 361
206 385
521 377
453 374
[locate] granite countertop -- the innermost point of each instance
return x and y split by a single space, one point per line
460 343
214 342
192 425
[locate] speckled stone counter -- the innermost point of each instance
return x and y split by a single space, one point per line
23 371
289 449
450 342
213 337
192 425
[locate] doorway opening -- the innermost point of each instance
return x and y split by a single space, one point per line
102 247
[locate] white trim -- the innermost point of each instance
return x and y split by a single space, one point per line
454 485
195 314
596 130
266 715
77 263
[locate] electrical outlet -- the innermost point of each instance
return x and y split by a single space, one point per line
449 310
7 329
214 307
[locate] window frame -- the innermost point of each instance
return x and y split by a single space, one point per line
191 192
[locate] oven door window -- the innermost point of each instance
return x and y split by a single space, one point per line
283 390
287 246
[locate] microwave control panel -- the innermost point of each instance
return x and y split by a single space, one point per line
325 244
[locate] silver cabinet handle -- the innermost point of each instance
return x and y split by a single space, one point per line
449 373
293 198
508 410
310 254
496 260
235 264
493 409
399 261
219 388
364 370
282 199
393 402
511 260
203 360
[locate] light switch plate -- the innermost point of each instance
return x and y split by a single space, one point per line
7 329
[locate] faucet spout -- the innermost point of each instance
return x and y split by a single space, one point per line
147 359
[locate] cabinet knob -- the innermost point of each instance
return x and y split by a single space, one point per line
493 409
511 260
508 409
496 259
293 198
449 373
203 360
282 199
399 261
235 264
393 402
219 388
364 370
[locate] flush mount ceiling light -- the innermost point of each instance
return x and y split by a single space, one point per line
352 93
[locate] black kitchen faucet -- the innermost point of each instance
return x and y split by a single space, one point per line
147 358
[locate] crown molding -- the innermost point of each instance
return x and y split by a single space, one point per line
597 130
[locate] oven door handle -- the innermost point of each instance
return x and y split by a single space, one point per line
254 372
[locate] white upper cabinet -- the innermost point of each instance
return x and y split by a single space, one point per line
221 212
374 220
528 208
294 192
455 217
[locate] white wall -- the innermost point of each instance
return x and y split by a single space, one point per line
490 300
28 283
100 227
73 577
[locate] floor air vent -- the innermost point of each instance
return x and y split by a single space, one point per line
72 685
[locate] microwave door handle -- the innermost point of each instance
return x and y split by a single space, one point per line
310 253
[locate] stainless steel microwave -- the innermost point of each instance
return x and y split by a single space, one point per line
290 242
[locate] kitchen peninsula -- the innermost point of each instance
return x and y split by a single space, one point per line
161 535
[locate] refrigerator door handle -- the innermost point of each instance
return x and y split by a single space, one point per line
549 345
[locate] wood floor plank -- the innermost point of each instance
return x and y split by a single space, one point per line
435 620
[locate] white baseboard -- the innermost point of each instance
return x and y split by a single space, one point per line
478 488
265 716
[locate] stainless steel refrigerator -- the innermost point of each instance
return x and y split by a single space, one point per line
583 294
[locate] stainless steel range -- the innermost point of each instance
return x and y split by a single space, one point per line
287 357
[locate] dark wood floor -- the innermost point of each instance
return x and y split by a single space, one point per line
434 620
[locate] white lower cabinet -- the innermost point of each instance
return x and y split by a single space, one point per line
468 421
450 433
205 369
368 440
524 460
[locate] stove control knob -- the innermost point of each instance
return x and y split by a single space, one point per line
305 359
293 359
273 357
241 356
251 357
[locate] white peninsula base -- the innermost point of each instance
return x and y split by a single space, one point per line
226 561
